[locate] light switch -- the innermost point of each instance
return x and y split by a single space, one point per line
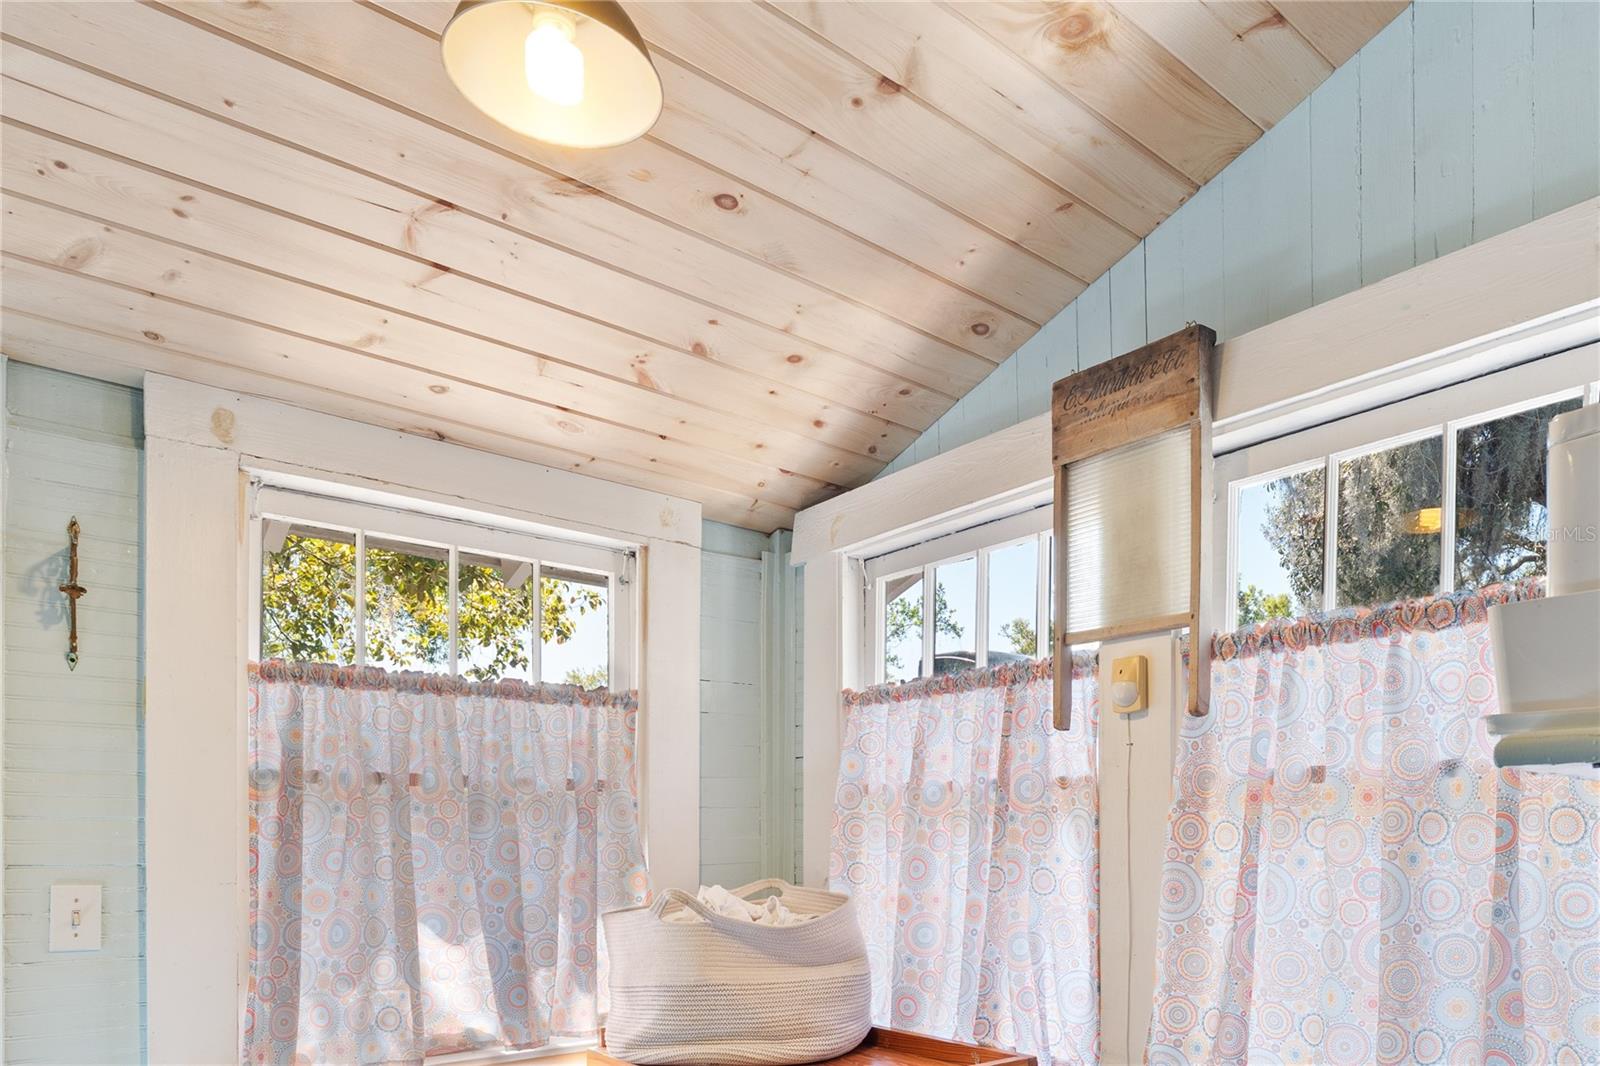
74 917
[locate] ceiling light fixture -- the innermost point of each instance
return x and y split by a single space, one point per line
569 72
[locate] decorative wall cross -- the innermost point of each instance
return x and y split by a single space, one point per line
73 590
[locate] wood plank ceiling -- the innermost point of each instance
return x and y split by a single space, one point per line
847 216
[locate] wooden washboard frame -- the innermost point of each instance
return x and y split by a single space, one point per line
1149 392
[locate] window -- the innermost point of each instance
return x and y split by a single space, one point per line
1440 493
353 583
980 587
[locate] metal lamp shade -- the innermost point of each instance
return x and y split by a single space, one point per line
483 54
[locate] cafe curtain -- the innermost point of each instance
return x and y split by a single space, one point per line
966 828
428 861
1350 879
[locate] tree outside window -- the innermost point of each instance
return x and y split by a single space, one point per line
308 610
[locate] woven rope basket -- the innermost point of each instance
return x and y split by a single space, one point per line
732 992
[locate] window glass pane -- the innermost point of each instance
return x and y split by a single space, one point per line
1014 603
1279 555
1389 518
408 606
955 616
308 596
574 630
1500 494
902 627
494 619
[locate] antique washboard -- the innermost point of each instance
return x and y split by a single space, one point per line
1131 444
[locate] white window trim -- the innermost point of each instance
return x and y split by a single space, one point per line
1562 376
202 444
329 509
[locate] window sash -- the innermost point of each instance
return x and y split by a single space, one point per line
1554 378
925 558
548 557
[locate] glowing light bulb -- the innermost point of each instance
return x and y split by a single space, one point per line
552 62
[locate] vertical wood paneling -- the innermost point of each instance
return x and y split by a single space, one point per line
1163 279
731 757
1246 241
1094 324
972 407
1443 44
1204 298
73 738
1033 371
1456 122
952 426
1566 104
1336 184
1502 86
927 444
1286 215
1128 309
1388 182
1063 354
998 406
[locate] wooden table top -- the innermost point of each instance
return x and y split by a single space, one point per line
887 1047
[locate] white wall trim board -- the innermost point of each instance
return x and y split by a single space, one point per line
201 445
1137 753
1556 332
281 437
830 658
1006 470
195 801
1416 330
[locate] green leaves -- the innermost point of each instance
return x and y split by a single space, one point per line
1256 605
904 615
1023 637
308 610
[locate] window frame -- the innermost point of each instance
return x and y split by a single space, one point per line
1442 413
615 563
925 557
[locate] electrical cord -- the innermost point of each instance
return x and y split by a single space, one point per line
1127 823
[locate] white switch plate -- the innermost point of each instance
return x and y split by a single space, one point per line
74 917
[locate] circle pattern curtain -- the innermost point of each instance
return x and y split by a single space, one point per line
429 859
966 828
1351 880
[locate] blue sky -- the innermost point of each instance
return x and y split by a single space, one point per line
1257 560
588 648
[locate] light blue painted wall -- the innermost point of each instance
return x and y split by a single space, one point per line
746 799
73 747
1457 122
731 705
